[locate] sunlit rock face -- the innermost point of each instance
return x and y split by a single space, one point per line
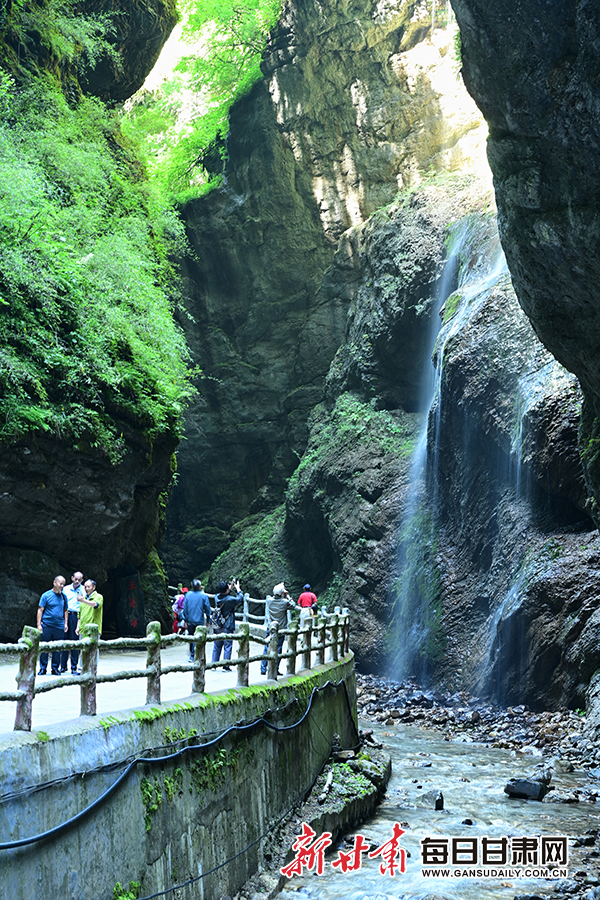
357 102
533 67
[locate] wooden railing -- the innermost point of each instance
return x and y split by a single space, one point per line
331 631
244 615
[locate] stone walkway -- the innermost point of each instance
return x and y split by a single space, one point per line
62 704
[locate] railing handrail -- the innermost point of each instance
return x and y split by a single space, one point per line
331 630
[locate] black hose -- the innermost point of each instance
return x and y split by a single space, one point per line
10 845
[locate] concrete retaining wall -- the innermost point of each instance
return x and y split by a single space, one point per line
179 818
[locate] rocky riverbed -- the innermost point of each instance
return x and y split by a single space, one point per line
463 718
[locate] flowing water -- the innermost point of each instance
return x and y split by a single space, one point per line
471 778
465 283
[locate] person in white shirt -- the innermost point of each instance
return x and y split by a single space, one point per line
74 592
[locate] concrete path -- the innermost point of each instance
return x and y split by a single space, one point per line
63 704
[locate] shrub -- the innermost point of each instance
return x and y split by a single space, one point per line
87 289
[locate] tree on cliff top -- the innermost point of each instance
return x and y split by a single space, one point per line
182 124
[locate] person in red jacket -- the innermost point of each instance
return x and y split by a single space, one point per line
307 601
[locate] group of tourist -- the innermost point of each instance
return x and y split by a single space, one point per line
62 612
192 608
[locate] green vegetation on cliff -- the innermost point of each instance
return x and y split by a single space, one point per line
182 124
87 287
352 422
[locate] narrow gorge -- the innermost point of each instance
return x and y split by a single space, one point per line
356 388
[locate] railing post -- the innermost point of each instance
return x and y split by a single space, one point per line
346 632
26 677
334 626
307 643
292 640
243 665
199 681
321 629
272 653
341 635
246 609
89 670
153 662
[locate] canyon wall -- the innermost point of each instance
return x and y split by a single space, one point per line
355 104
74 496
312 316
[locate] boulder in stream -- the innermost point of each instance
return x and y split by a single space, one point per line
526 788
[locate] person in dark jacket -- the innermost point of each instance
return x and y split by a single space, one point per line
196 611
229 597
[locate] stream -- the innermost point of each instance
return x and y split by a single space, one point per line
471 778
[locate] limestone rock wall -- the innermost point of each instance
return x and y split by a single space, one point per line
481 579
532 67
356 102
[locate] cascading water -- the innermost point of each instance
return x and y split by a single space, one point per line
417 634
409 605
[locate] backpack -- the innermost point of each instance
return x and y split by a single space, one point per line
218 620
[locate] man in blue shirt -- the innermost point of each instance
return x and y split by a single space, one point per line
52 622
196 611
73 592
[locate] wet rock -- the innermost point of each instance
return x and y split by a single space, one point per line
550 221
562 765
561 797
433 799
526 789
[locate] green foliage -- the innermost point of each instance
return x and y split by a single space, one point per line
457 50
210 772
108 721
42 736
173 784
185 121
330 597
451 305
87 338
60 36
256 555
352 423
176 735
151 798
121 893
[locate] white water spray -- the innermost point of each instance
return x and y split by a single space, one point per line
417 602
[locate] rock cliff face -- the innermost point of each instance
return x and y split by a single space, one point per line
356 103
533 67
470 578
62 510
63 504
139 30
313 317
506 482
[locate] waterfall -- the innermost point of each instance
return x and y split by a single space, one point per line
410 609
416 627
